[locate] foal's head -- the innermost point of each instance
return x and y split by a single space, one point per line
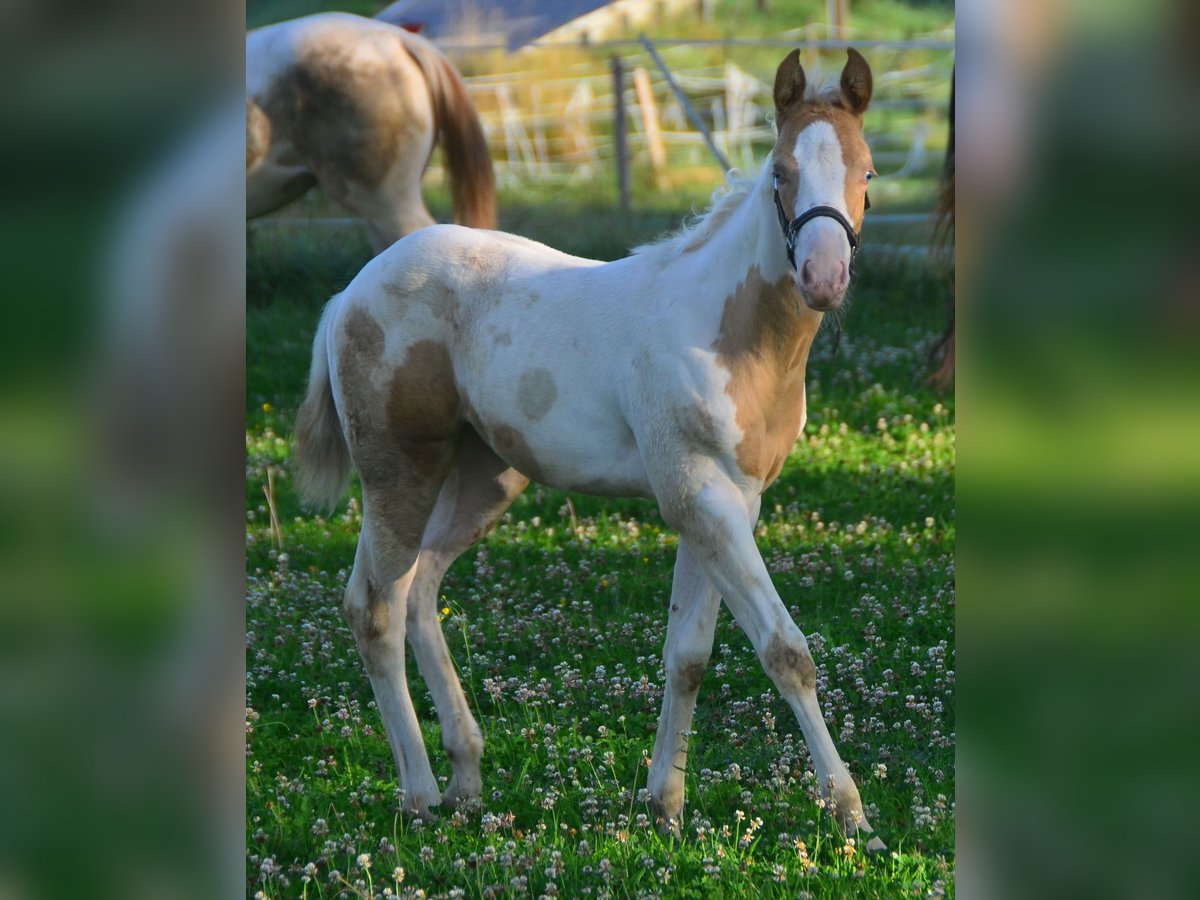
822 164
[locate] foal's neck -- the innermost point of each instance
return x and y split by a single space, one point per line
762 312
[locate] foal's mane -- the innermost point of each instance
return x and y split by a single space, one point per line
697 229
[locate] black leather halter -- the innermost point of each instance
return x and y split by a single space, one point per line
791 229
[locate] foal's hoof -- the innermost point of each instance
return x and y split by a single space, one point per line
460 797
668 825
857 827
422 813
670 829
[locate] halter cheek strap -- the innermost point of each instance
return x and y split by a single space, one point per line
791 229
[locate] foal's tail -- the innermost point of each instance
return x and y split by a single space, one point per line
321 461
472 181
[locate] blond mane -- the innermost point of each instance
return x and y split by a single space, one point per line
699 228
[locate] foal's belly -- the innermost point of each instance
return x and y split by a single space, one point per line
566 452
557 426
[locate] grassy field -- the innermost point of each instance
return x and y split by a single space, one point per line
557 629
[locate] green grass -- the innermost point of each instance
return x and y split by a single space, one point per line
264 12
557 633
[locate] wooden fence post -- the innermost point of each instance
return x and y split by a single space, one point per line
619 134
685 103
649 109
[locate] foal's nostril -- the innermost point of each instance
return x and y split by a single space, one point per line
805 274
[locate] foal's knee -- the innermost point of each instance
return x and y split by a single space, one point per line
367 612
788 662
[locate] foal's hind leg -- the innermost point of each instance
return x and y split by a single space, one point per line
397 502
480 487
690 625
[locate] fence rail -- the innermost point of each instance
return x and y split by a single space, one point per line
561 127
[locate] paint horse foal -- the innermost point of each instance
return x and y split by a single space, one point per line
357 106
460 364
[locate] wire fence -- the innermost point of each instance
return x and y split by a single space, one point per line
558 127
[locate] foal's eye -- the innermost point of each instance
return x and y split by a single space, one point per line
870 175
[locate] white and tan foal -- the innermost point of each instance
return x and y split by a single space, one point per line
460 364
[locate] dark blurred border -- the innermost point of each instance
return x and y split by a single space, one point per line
121 450
1079 479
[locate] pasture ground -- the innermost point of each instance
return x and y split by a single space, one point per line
556 622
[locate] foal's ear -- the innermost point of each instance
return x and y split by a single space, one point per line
789 84
856 83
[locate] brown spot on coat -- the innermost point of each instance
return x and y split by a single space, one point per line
401 431
359 350
422 408
368 622
363 335
339 106
691 675
536 393
788 663
765 336
378 613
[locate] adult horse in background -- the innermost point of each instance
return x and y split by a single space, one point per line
460 364
357 105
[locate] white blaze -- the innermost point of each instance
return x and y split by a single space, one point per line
822 182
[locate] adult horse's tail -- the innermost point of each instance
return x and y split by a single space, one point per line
472 181
321 460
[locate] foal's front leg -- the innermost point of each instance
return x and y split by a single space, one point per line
690 625
712 515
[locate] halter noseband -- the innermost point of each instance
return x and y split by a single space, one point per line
791 229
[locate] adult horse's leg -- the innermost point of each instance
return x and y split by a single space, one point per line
397 502
713 515
690 626
479 488
271 182
392 208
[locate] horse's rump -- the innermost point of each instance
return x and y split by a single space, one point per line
359 105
